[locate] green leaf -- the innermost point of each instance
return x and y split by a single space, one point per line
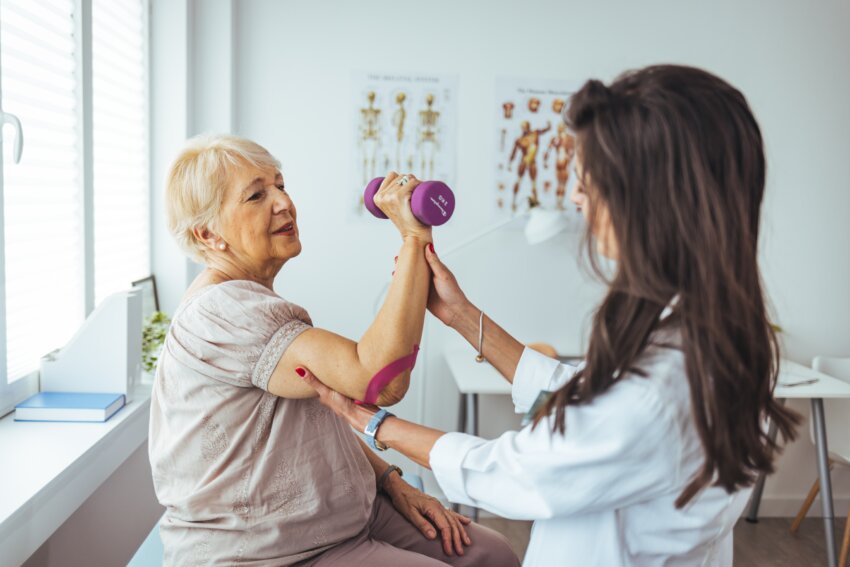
154 332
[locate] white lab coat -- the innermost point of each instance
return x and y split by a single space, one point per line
602 494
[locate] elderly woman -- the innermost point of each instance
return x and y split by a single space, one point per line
251 468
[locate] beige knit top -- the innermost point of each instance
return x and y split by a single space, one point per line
247 477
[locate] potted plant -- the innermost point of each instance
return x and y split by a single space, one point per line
153 335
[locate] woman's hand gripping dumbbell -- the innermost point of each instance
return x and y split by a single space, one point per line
432 202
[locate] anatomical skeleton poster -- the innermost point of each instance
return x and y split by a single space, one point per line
405 123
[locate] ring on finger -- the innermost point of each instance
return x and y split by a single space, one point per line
403 180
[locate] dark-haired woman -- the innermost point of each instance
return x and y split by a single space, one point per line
644 454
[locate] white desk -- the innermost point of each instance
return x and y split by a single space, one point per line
473 378
825 387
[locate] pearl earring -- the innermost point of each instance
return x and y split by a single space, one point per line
222 246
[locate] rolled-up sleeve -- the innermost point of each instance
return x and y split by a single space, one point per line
534 373
608 458
235 332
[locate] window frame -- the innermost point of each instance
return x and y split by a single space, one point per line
22 388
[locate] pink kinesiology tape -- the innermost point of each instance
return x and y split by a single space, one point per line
387 374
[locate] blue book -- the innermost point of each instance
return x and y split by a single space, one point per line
69 406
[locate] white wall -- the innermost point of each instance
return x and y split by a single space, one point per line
291 66
170 121
110 525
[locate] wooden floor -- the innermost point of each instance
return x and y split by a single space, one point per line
765 544
517 532
769 543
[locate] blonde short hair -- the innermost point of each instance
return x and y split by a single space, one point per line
198 180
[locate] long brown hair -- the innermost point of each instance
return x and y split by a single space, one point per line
676 157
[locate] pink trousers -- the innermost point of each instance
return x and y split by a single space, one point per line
389 540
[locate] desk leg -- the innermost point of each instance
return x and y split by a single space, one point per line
472 412
755 499
825 482
461 414
462 427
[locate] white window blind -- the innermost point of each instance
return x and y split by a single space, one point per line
120 140
75 73
43 219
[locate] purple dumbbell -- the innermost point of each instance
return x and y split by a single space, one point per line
432 202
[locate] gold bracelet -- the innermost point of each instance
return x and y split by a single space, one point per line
480 357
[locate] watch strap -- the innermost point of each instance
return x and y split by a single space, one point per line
372 429
386 475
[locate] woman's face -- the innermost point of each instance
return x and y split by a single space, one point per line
257 220
603 230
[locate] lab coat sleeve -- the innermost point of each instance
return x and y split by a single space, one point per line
534 373
618 450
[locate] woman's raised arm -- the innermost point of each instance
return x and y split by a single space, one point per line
348 366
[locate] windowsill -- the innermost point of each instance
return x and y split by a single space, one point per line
50 469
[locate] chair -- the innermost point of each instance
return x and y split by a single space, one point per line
837 416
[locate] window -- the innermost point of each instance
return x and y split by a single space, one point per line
75 220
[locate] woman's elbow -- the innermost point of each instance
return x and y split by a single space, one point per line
395 390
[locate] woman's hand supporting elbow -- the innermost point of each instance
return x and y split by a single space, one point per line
412 440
